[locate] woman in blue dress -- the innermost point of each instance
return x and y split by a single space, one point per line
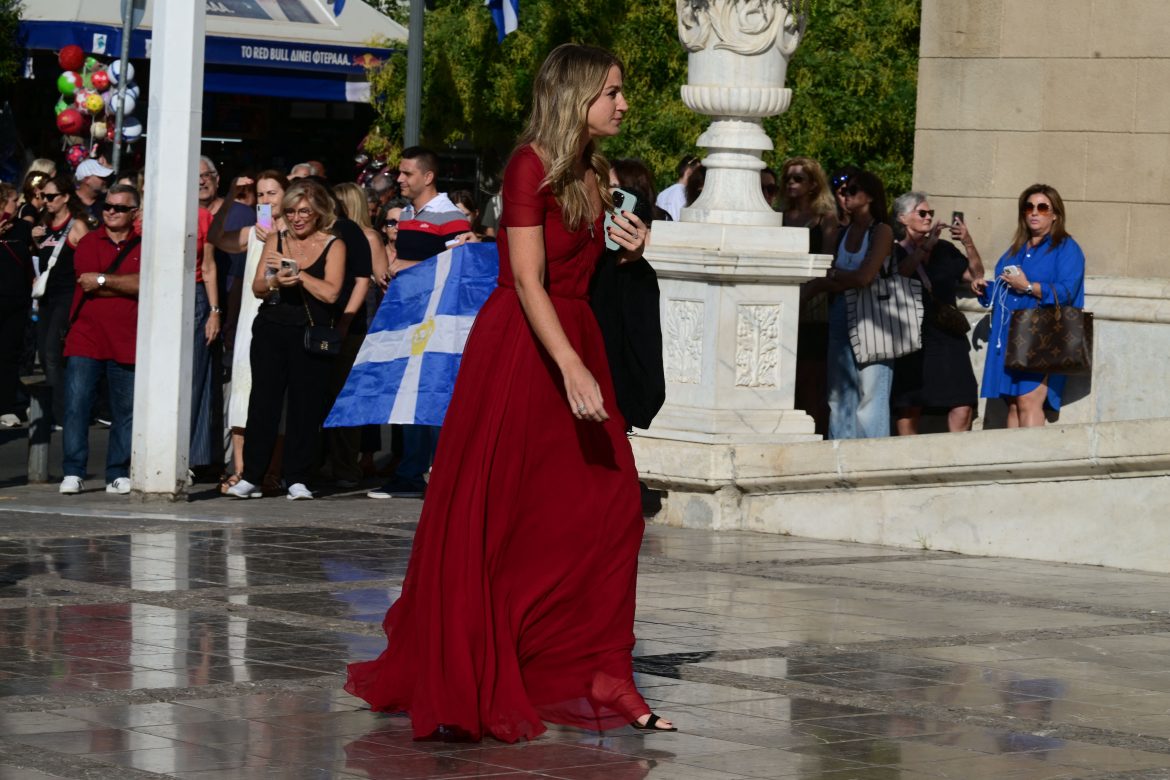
1043 266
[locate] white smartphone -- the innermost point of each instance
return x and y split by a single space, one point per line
1011 270
264 216
622 201
288 265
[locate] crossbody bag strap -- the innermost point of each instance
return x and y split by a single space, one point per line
122 255
304 301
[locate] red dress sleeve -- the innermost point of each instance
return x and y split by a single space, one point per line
525 200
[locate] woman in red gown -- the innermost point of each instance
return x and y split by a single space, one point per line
518 602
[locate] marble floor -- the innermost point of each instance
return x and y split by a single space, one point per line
209 640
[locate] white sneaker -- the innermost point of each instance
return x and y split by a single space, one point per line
120 486
71 486
298 492
244 489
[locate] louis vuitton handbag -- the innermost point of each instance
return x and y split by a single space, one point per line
1050 340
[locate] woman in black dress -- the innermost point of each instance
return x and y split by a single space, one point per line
938 376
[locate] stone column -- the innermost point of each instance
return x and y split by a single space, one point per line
729 273
162 382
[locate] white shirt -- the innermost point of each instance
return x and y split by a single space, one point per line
672 199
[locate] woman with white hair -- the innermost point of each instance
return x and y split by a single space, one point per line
939 376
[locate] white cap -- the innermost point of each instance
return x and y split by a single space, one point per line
92 168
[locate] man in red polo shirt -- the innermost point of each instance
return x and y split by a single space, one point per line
102 339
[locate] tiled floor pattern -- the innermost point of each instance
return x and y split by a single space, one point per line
209 646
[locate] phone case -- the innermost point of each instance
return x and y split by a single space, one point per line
622 201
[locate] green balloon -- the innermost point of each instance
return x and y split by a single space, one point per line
91 63
87 80
61 106
67 83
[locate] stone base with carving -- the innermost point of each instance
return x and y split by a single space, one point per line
730 303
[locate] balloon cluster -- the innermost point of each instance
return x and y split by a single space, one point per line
89 99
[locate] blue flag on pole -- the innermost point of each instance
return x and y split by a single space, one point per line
405 370
506 15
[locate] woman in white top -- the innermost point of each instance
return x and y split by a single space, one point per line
270 187
859 395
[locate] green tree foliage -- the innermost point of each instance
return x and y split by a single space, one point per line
10 49
854 80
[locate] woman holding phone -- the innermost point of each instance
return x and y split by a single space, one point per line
506 619
1043 266
270 186
306 265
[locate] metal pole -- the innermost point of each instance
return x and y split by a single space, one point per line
162 376
414 74
127 31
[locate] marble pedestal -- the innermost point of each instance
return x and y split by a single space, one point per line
730 302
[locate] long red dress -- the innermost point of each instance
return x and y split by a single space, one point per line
518 602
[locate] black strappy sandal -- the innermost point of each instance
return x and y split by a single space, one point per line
651 724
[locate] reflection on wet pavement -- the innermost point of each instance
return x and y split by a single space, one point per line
219 653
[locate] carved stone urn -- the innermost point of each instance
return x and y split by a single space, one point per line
729 273
738 52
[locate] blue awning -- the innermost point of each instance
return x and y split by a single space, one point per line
300 70
107 41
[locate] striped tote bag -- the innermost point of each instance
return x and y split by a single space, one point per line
885 319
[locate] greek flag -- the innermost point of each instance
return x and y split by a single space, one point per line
506 14
405 370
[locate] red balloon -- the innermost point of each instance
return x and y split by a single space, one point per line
71 57
70 122
101 80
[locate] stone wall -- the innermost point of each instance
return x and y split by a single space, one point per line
1073 93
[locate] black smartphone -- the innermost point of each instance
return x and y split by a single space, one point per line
957 216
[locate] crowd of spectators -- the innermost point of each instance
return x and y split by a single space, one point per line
279 251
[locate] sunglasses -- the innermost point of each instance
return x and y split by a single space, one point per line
852 189
391 223
1039 208
118 208
924 213
796 178
52 195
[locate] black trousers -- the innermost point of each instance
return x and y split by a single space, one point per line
52 325
13 322
283 372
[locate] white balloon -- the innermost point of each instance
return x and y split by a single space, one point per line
115 71
132 89
128 104
131 129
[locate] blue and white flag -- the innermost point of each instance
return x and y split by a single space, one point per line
506 15
405 370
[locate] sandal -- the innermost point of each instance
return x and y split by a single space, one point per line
651 724
228 481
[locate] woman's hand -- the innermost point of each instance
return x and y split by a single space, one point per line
38 233
464 238
960 233
979 286
211 329
288 277
630 233
584 393
1017 281
261 233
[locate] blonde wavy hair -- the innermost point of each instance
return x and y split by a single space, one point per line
568 82
819 194
354 201
317 198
